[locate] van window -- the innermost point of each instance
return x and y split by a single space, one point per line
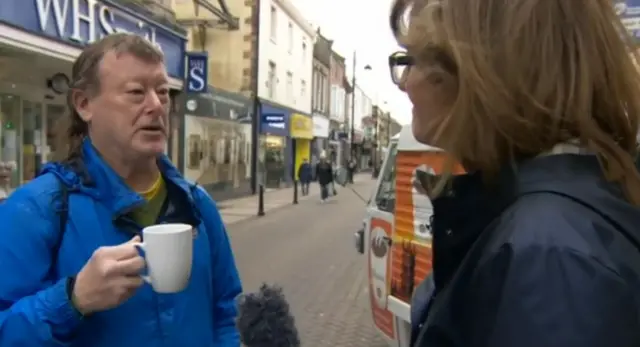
386 195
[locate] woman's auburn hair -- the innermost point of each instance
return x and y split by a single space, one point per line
531 74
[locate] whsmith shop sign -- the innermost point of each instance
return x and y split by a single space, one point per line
629 12
79 22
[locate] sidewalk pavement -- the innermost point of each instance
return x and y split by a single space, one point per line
308 251
237 210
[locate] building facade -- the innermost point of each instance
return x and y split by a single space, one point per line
284 88
39 40
217 126
321 95
340 90
363 107
226 34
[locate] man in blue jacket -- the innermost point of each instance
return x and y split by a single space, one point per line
70 267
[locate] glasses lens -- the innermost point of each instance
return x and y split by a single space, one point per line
398 72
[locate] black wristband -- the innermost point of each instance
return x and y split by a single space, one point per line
71 282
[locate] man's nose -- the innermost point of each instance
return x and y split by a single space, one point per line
154 101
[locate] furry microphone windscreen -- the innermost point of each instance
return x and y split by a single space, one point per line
264 319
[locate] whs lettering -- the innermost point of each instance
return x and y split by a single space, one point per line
85 21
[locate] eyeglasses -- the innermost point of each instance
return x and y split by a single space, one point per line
399 65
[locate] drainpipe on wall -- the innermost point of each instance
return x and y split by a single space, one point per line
255 120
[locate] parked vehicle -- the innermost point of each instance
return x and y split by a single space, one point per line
396 233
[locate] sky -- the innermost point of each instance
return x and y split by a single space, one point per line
362 26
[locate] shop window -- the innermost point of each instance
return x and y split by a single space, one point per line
221 163
386 194
9 127
55 124
274 161
195 151
31 139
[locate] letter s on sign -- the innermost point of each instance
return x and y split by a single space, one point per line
105 17
197 82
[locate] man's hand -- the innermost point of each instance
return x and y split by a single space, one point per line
109 278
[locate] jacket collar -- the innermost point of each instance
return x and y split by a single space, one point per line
470 205
94 177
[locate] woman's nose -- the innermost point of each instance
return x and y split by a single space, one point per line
402 86
402 83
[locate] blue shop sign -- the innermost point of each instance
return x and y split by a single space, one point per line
197 66
274 120
79 22
629 12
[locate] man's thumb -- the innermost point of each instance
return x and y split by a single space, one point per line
135 239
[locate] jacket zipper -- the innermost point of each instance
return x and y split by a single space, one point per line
129 225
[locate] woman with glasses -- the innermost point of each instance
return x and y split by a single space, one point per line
539 244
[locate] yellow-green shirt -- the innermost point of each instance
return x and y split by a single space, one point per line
148 213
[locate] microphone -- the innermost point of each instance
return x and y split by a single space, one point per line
264 319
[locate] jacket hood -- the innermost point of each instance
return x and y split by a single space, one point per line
92 176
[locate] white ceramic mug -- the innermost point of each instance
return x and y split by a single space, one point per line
168 251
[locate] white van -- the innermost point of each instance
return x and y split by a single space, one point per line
396 233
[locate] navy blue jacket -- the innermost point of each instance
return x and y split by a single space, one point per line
304 173
324 173
549 257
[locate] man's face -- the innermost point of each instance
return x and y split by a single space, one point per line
131 108
5 173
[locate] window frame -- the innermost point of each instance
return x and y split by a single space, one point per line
381 200
290 37
273 24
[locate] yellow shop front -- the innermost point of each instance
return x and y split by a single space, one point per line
301 134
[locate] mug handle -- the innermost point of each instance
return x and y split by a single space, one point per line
141 249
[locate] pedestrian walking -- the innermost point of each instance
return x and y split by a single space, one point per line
304 176
71 237
351 167
539 243
324 173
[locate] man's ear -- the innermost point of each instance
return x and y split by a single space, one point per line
81 103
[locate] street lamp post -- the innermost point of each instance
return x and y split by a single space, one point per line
353 106
374 153
353 110
388 129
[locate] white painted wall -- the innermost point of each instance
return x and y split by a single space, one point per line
363 106
284 48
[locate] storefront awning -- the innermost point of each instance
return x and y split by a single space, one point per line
218 104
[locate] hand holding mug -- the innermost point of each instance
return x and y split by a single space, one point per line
109 278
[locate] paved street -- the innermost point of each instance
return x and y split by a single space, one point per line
308 250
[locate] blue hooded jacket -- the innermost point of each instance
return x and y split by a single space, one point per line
34 304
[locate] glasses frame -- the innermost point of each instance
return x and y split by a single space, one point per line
399 58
